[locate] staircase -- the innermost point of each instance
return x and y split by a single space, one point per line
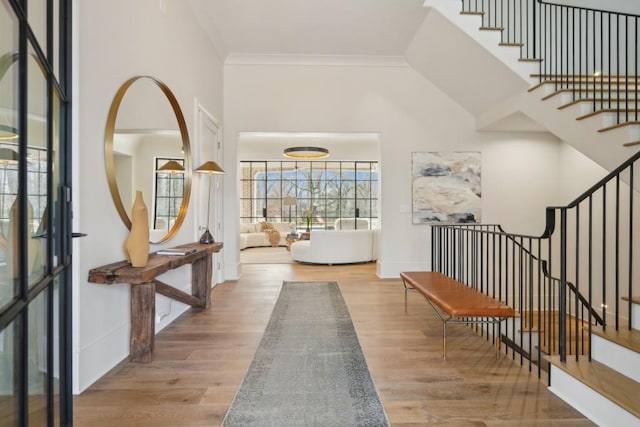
606 388
574 72
611 101
545 327
530 93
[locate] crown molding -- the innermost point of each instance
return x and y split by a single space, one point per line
311 60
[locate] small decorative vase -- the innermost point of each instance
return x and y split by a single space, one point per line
136 246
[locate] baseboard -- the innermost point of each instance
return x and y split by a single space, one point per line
100 356
232 270
390 270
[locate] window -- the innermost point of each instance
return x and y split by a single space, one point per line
168 194
291 191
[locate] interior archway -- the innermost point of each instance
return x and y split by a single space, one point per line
268 147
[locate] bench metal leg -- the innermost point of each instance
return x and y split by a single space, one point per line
444 339
498 342
493 320
405 300
406 290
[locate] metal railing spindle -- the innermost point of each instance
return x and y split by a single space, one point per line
604 251
616 264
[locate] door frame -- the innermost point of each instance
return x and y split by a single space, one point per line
204 119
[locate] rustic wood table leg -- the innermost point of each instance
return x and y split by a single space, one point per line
143 322
201 275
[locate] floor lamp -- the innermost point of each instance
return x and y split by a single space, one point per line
210 168
173 168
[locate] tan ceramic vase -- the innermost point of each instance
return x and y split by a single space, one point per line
136 246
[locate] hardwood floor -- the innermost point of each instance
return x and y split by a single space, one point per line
202 358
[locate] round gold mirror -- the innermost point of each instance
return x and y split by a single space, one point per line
147 149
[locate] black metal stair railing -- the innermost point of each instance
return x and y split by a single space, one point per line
597 239
512 268
575 274
591 54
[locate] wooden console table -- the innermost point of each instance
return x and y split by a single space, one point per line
144 286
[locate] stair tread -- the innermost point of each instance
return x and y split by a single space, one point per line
631 144
610 383
588 76
548 342
544 321
597 101
581 85
608 110
624 337
585 90
634 300
597 90
619 125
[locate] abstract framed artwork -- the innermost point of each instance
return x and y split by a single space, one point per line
445 187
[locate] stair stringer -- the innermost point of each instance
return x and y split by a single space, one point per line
489 40
469 74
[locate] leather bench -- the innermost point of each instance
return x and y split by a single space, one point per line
455 302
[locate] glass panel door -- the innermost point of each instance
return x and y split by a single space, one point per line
35 300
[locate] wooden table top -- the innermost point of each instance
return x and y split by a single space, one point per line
123 272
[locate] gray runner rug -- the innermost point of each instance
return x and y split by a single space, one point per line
309 369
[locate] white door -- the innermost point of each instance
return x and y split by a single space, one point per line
210 186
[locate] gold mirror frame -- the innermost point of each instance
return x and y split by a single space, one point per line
110 160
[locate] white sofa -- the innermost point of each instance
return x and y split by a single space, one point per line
251 236
336 247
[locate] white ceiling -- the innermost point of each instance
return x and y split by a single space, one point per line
341 145
310 27
342 30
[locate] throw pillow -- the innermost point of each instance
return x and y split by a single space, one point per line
266 226
274 236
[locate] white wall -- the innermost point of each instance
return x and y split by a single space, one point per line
578 173
520 171
115 40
